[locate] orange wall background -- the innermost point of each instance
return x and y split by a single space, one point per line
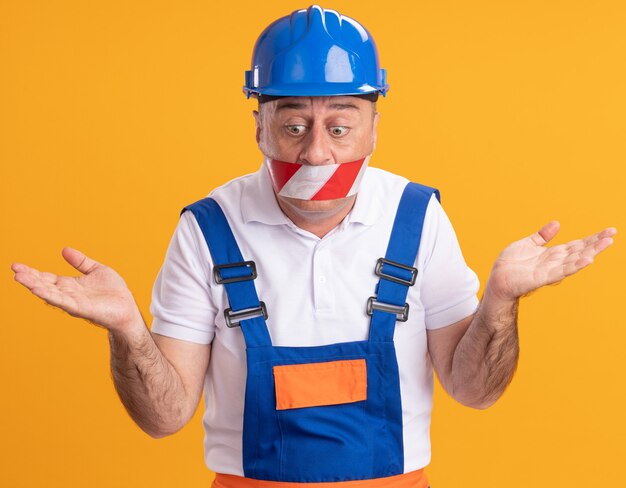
114 114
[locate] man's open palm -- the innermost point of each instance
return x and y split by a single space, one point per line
528 264
100 295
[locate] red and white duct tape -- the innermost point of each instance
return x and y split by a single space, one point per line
307 182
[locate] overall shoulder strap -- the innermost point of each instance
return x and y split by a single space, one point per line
396 270
231 270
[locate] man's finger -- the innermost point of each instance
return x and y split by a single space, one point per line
546 233
54 297
41 289
608 232
574 267
27 279
22 268
602 244
595 247
79 260
19 267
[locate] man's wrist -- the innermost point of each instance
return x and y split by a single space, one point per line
497 299
130 331
497 311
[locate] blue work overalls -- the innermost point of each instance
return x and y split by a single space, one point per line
292 432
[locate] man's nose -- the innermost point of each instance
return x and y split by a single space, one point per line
317 148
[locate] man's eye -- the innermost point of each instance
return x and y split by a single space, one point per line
296 130
339 130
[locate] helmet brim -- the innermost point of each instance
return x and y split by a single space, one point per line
315 90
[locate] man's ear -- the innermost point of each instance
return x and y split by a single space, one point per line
257 123
374 130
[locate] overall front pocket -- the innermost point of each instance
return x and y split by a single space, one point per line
319 384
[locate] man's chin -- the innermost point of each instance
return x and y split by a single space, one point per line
315 210
316 205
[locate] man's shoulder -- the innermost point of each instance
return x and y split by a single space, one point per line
386 182
232 188
235 186
382 179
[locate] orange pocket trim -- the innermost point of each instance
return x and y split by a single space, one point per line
317 384
414 479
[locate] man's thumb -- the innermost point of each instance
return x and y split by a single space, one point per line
546 233
79 260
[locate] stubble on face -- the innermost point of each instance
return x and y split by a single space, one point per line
314 212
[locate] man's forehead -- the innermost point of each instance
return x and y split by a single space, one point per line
339 102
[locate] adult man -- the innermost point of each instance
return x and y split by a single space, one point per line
315 391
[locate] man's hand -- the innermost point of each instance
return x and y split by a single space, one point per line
100 295
159 389
476 357
527 264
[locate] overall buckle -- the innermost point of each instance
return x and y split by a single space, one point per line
401 311
217 274
233 319
379 272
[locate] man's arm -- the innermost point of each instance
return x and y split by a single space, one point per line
475 358
159 379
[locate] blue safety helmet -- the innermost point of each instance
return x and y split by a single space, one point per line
315 52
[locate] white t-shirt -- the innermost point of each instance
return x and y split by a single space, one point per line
316 292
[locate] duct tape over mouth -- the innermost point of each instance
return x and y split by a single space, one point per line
308 182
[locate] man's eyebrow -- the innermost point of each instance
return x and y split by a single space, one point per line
293 105
343 106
